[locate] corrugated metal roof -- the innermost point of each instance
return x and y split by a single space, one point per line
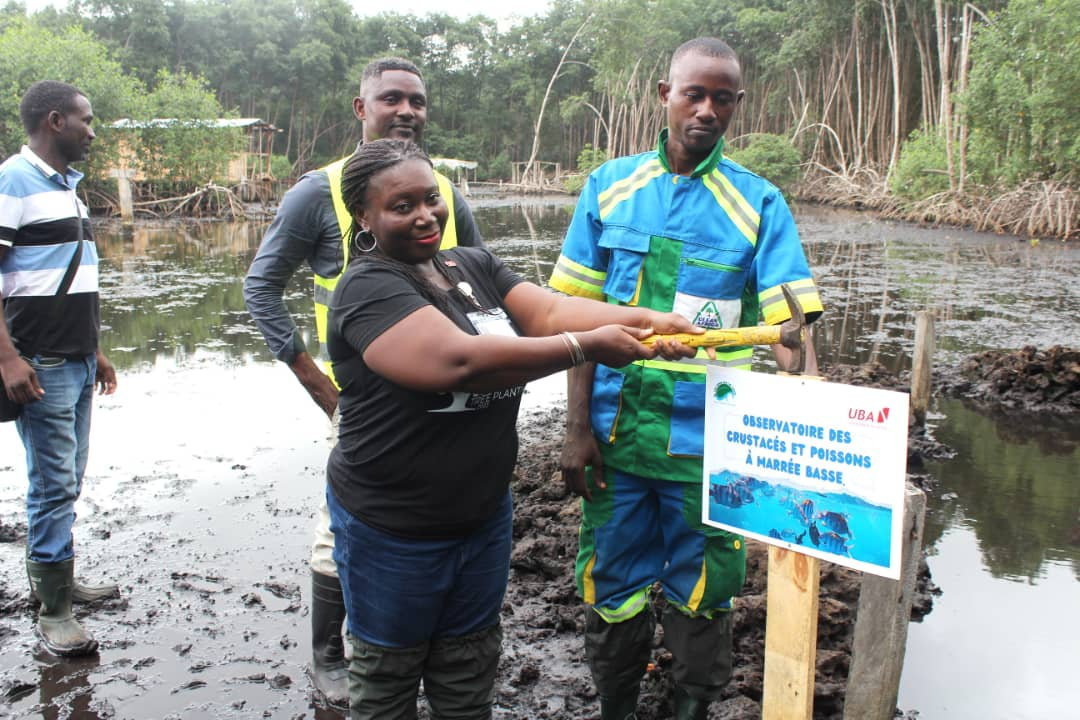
453 163
128 124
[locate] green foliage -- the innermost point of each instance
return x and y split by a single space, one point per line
921 170
189 149
588 160
181 95
280 167
296 64
1021 101
29 53
772 157
498 168
187 152
441 143
574 183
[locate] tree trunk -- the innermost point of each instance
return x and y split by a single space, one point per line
543 104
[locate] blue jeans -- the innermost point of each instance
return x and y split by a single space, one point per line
55 431
400 593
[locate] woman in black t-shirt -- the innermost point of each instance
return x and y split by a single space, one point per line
431 351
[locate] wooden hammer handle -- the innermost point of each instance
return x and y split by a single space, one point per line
757 335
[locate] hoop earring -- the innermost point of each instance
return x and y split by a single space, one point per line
360 247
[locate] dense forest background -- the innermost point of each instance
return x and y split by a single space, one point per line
937 109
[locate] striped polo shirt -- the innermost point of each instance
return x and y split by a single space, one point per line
40 215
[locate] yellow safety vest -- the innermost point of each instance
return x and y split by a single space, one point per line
324 286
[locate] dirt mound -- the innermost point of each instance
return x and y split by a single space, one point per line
1028 379
871 374
922 445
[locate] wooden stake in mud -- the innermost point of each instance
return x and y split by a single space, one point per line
877 653
791 615
922 364
790 635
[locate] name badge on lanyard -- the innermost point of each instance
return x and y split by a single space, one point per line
492 322
486 322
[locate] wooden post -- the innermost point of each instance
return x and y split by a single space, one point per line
123 193
790 635
882 622
922 363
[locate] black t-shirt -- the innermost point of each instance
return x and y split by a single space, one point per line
418 464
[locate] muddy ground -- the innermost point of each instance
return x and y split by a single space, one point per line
213 619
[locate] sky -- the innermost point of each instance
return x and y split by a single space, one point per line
502 10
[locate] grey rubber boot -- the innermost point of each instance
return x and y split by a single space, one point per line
329 671
701 654
83 594
58 629
383 682
459 677
618 654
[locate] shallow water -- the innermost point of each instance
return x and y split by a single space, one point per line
206 464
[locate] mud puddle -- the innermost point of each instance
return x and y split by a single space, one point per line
201 510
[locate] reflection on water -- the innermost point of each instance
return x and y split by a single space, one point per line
527 237
1003 531
999 529
985 291
1014 484
170 291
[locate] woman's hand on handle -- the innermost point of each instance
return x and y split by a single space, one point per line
616 345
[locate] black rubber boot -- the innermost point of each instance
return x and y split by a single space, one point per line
58 629
701 653
688 708
618 654
621 706
459 677
329 672
384 682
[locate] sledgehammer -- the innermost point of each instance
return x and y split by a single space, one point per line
791 334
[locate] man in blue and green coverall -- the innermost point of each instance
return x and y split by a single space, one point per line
678 228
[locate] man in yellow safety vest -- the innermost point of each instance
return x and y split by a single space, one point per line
312 225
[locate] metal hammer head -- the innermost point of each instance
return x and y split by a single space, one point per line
793 332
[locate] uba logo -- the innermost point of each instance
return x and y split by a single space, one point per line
865 415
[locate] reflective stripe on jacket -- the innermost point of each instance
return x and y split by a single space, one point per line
714 247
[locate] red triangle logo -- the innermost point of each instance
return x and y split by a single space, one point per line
883 415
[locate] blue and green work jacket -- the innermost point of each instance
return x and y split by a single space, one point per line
715 247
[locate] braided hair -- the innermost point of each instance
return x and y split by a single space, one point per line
360 170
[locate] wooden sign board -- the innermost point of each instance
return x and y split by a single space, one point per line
815 468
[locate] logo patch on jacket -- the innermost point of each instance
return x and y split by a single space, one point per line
708 317
711 313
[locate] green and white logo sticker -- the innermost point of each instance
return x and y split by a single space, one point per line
708 317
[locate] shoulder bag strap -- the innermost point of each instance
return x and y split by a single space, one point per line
76 257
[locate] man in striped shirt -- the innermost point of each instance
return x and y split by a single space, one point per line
50 360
